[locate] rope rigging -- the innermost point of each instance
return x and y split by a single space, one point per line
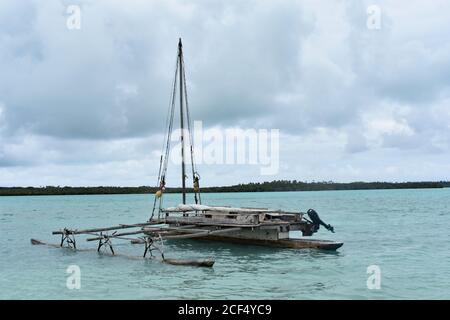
195 175
165 151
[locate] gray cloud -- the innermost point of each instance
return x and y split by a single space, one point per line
99 95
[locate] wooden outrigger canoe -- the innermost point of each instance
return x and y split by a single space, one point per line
259 226
251 226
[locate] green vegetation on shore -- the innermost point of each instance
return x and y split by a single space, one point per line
276 185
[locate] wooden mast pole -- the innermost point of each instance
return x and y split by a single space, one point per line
183 170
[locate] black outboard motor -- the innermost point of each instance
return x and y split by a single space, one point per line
316 221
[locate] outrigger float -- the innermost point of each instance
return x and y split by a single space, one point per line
248 226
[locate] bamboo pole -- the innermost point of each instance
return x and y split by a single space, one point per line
122 226
159 230
201 234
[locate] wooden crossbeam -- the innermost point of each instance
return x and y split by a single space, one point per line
122 226
117 235
202 234
145 230
179 229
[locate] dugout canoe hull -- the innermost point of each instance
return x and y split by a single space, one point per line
282 243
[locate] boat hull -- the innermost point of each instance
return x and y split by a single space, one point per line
282 243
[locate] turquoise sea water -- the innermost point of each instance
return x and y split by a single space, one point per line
404 232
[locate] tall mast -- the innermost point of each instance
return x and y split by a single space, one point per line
183 173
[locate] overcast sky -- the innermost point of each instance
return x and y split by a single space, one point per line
87 106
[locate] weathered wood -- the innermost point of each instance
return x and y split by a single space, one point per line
178 229
122 226
117 235
201 234
187 236
284 243
203 221
137 241
196 263
36 242
147 230
196 208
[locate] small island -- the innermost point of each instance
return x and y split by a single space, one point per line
269 186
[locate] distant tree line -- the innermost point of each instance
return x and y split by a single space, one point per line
276 185
294 185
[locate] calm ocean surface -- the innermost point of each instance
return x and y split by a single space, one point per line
405 232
